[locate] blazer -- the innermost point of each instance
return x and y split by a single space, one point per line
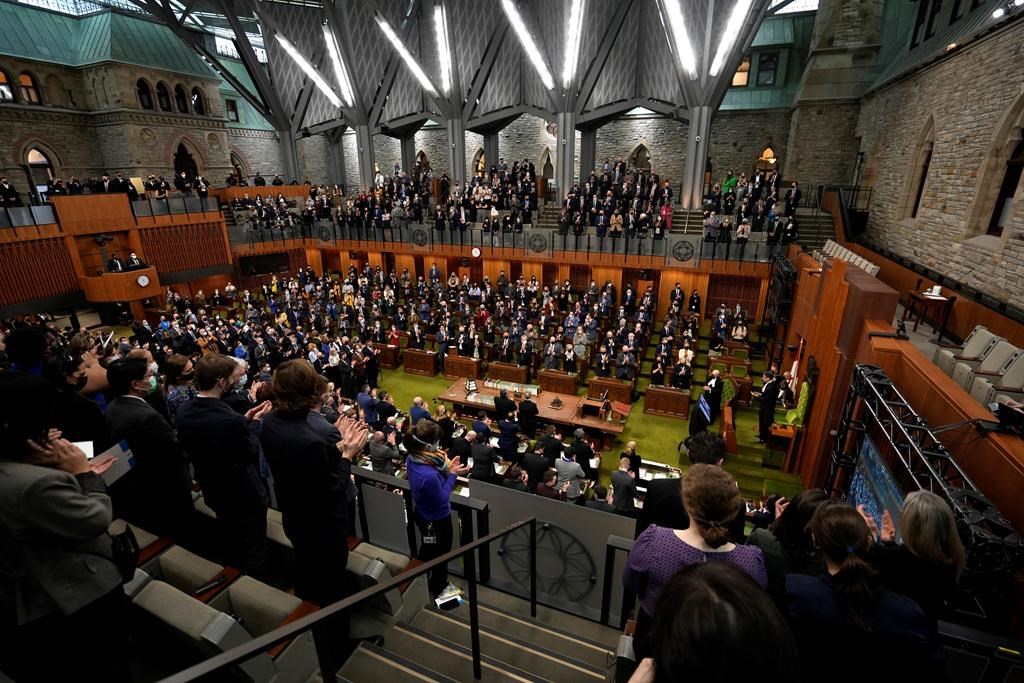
484 459
158 489
623 492
53 540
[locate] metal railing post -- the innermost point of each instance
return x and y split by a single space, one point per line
606 587
474 616
533 566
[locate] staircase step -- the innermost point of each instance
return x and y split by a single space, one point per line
370 662
448 658
547 663
546 616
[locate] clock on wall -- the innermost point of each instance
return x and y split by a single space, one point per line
142 280
475 252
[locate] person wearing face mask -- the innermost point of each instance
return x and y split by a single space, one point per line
77 417
237 395
222 446
156 398
178 374
157 493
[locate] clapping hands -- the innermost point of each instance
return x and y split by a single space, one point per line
354 434
456 467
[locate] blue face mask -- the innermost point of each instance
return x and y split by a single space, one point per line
242 381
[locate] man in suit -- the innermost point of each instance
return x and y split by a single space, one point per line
584 454
367 400
603 499
384 455
115 264
536 465
663 503
503 405
222 446
625 364
157 492
769 399
528 413
714 395
419 410
484 459
134 261
624 488
793 199
58 581
104 185
8 195
550 445
461 446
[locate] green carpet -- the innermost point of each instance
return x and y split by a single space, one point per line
656 437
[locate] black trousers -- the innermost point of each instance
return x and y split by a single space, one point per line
243 535
442 531
93 644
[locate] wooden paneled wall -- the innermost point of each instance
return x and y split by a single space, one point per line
689 280
95 213
89 251
183 247
733 289
493 268
35 270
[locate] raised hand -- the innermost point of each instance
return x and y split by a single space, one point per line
888 528
60 454
780 506
456 467
259 411
870 521
353 438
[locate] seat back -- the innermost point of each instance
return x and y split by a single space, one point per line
980 345
183 570
260 608
1013 377
982 390
999 358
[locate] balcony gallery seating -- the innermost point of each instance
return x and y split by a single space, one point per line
1010 384
976 347
993 365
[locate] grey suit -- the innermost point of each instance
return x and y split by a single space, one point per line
53 540
569 471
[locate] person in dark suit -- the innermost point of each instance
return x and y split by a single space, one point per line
600 500
624 488
8 195
503 405
584 454
663 502
104 185
115 264
550 445
222 446
59 579
309 475
528 413
134 261
793 199
484 459
462 445
716 385
157 492
535 465
769 399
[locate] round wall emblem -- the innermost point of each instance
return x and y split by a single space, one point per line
538 242
419 237
325 234
682 251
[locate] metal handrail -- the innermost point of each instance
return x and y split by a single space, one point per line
614 545
316 620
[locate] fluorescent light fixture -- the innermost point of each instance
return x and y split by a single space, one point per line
572 54
406 56
684 51
732 31
529 47
443 49
308 69
998 13
340 74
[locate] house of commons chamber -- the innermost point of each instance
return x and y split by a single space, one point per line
601 341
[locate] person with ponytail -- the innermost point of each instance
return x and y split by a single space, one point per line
845 622
711 497
432 476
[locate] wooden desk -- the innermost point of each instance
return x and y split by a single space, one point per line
507 372
667 401
729 430
925 303
387 356
729 362
417 362
788 433
461 366
117 287
618 389
567 415
558 382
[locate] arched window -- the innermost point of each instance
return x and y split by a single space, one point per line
163 97
6 93
919 171
547 169
198 106
28 89
144 93
1002 212
767 160
479 161
180 99
42 170
640 158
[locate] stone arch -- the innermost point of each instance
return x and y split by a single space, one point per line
162 97
22 146
145 94
547 164
479 161
193 148
181 99
639 156
238 159
768 159
1007 135
33 85
917 176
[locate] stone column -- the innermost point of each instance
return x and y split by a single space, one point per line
289 155
491 148
364 147
588 152
408 150
456 150
698 133
336 156
565 157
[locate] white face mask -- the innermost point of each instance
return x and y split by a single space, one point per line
154 368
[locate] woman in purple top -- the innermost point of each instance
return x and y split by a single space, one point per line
431 477
711 497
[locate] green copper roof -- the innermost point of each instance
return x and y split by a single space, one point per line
32 33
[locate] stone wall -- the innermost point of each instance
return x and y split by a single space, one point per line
350 148
433 141
822 144
525 138
387 151
474 144
314 159
664 138
260 151
966 169
739 137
